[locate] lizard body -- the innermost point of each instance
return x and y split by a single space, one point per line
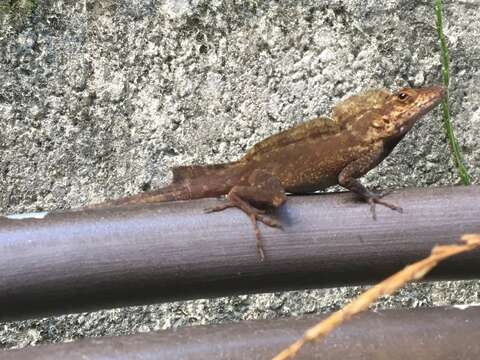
311 156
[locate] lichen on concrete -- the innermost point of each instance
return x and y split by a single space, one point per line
101 99
15 12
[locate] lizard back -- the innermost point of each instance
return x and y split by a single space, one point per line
321 126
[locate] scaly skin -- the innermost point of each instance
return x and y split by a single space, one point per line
311 156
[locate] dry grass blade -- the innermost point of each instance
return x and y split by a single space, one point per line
411 272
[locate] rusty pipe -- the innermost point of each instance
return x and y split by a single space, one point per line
85 260
427 334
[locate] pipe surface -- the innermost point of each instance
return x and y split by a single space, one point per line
85 260
427 334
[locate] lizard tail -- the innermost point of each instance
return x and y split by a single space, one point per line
168 193
189 182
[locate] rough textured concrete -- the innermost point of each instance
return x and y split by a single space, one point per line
99 100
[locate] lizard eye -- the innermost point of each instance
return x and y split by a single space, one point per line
402 96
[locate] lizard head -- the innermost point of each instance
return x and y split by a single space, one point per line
394 114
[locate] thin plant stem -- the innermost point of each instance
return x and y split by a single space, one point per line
447 124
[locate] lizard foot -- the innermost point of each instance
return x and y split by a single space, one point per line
254 217
377 199
253 213
227 205
262 191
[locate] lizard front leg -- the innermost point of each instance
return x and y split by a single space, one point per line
264 190
348 178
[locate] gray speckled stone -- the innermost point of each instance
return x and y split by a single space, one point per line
99 100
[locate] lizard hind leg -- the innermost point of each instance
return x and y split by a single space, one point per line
263 190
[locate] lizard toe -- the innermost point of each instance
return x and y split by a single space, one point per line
268 221
219 207
374 200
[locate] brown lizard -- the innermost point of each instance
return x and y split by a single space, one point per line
311 156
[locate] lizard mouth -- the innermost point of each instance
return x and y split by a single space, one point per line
430 97
427 99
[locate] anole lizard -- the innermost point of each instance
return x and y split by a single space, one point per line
314 155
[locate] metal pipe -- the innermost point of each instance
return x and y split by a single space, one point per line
91 259
427 334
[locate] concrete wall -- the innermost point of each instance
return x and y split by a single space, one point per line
100 99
